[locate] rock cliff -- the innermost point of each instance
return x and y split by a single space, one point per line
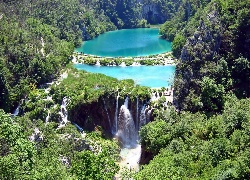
199 54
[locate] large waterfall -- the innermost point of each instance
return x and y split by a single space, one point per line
126 133
128 136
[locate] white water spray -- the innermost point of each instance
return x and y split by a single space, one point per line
137 114
116 115
142 116
63 112
126 133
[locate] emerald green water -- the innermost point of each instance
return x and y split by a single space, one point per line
126 43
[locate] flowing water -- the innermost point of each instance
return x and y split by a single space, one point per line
142 116
126 133
16 112
64 112
47 117
116 115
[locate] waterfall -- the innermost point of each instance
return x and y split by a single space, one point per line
16 112
137 114
142 116
123 64
126 102
63 112
116 114
126 133
157 94
105 107
153 96
98 63
47 118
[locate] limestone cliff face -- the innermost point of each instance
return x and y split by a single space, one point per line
200 50
104 112
205 42
152 12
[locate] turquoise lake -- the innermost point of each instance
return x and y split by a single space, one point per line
126 43
151 76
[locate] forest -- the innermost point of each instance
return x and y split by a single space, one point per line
204 135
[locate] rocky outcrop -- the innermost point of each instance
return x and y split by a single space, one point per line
152 12
200 50
145 156
205 42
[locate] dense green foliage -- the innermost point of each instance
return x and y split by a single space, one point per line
209 141
33 49
192 146
212 43
53 153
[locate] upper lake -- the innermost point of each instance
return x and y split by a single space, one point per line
126 43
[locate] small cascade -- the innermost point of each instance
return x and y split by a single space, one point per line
98 63
47 90
64 113
47 118
116 115
157 95
137 114
136 64
143 116
126 133
42 50
123 64
16 112
105 107
153 96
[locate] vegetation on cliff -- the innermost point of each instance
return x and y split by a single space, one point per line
215 34
208 138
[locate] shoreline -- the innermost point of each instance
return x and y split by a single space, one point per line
158 59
